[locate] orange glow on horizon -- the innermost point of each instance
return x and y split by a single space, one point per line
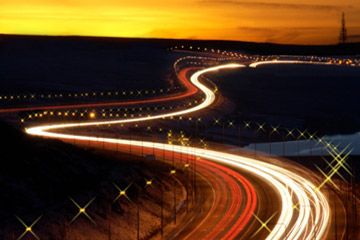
299 22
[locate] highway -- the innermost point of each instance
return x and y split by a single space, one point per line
190 90
272 62
225 199
309 220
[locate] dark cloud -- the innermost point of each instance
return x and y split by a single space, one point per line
271 29
286 34
262 4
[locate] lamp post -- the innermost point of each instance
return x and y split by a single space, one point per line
289 133
302 135
311 138
162 212
261 128
172 173
222 125
186 166
273 130
122 193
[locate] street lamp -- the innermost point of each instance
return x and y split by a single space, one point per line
302 135
289 134
173 173
260 128
29 229
273 131
311 138
123 193
92 115
82 210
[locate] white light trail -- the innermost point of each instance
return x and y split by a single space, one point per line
209 99
256 64
312 220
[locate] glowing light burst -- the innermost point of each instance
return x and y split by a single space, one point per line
261 127
82 210
313 216
122 192
338 162
28 228
247 124
290 133
92 115
263 224
302 134
148 182
274 129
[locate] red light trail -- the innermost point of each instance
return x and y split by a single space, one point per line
190 90
312 218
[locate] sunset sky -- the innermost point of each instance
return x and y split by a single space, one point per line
280 21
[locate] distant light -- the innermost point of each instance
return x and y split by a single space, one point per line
92 115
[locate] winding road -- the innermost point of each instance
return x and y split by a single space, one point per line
303 212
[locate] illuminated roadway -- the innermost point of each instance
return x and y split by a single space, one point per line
272 62
190 90
309 220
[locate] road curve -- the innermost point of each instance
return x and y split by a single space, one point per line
190 91
223 206
310 221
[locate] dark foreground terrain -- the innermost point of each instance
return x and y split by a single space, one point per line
38 177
